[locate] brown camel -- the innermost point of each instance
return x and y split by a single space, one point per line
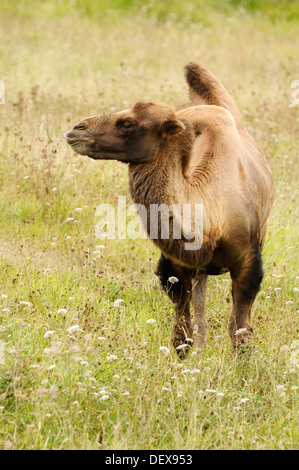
199 155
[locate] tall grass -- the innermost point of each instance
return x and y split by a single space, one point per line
105 384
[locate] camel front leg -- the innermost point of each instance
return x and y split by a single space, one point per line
182 331
176 281
198 300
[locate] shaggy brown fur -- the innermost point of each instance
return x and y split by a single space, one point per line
199 155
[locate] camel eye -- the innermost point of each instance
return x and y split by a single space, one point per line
126 125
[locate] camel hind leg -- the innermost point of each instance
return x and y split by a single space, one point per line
246 281
179 291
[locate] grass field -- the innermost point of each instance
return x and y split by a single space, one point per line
105 384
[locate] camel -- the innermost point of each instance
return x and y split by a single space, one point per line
201 154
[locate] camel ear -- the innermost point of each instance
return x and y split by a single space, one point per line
171 127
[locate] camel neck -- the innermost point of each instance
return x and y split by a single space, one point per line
160 181
163 179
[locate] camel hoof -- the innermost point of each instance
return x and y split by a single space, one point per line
181 341
243 339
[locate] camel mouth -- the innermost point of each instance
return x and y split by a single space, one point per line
74 142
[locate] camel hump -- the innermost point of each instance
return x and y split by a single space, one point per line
205 88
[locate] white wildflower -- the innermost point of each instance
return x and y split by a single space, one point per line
118 303
280 387
49 333
4 296
289 302
150 321
101 338
62 310
240 331
173 279
23 302
165 389
78 209
99 247
189 340
51 367
244 400
69 219
112 358
194 371
211 390
181 346
73 328
104 397
164 349
126 394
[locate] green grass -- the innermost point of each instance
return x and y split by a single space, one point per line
62 391
195 11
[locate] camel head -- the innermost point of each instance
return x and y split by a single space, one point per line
133 135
